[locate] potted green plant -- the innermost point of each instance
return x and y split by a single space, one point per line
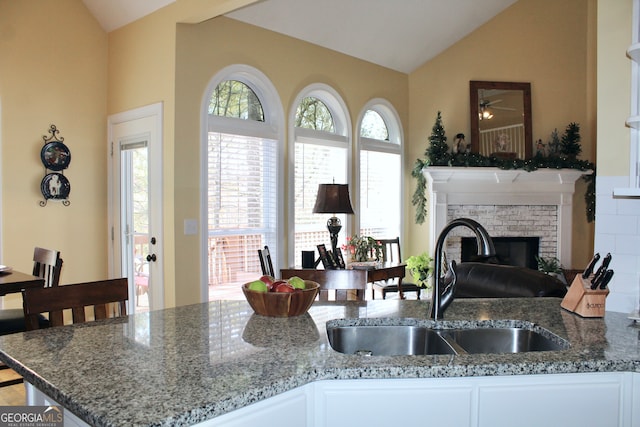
551 266
420 267
363 248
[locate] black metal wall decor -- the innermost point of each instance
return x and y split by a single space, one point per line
55 157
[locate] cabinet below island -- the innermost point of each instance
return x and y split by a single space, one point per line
569 400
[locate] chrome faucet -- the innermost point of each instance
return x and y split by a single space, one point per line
442 298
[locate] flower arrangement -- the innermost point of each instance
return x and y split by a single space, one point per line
363 248
420 267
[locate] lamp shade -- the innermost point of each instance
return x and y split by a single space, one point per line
334 199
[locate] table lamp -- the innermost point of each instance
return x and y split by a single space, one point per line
333 199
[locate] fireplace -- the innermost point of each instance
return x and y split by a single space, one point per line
508 203
518 251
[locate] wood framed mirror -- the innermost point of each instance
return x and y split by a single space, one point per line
501 119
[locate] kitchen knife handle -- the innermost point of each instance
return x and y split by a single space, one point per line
587 271
606 279
602 270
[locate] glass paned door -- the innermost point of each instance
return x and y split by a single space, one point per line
135 205
137 252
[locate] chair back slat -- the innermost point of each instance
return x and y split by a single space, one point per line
77 314
265 262
391 250
75 297
47 264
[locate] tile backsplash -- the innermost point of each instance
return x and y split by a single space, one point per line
617 230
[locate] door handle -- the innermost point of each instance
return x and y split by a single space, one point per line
151 257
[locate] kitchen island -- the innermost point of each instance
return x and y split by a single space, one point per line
190 364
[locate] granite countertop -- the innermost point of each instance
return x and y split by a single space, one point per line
188 364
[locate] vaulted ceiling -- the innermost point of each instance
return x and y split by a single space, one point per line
400 35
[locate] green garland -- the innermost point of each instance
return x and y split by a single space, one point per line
438 154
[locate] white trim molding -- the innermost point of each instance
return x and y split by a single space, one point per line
493 186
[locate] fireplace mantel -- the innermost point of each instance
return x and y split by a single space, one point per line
494 186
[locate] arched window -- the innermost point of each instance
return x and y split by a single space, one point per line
232 98
242 151
380 171
373 126
321 155
314 114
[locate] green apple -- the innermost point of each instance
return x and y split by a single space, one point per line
258 285
297 282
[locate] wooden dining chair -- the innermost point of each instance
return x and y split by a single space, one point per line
391 253
47 265
99 295
265 262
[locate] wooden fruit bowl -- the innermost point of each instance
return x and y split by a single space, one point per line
282 304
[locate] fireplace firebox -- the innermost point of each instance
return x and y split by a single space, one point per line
517 251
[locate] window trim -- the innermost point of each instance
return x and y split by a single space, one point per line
272 127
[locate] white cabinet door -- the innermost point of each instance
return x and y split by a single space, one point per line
562 400
373 403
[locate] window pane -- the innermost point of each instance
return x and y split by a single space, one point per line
315 164
314 114
232 98
373 126
242 184
380 184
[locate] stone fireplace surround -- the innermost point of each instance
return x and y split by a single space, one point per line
506 202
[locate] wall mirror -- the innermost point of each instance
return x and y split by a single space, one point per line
501 119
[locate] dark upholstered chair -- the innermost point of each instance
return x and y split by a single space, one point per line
479 280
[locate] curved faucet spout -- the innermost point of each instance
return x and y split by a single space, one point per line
442 298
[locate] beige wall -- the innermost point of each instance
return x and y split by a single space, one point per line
532 41
50 75
614 86
77 75
291 65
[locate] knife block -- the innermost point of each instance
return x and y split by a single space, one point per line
583 300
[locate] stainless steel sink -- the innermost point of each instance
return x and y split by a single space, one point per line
387 340
393 340
501 340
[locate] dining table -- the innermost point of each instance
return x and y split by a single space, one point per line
350 278
15 281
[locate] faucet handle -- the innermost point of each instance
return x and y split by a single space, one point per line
449 287
450 278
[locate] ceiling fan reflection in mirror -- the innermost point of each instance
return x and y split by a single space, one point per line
484 113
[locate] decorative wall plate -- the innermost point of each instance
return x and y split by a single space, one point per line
55 156
55 186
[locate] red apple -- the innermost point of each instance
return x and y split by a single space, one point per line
284 287
267 279
275 284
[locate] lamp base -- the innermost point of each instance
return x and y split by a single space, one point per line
334 226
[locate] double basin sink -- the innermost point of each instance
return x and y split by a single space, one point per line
441 337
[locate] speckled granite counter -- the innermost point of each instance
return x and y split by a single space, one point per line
185 365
